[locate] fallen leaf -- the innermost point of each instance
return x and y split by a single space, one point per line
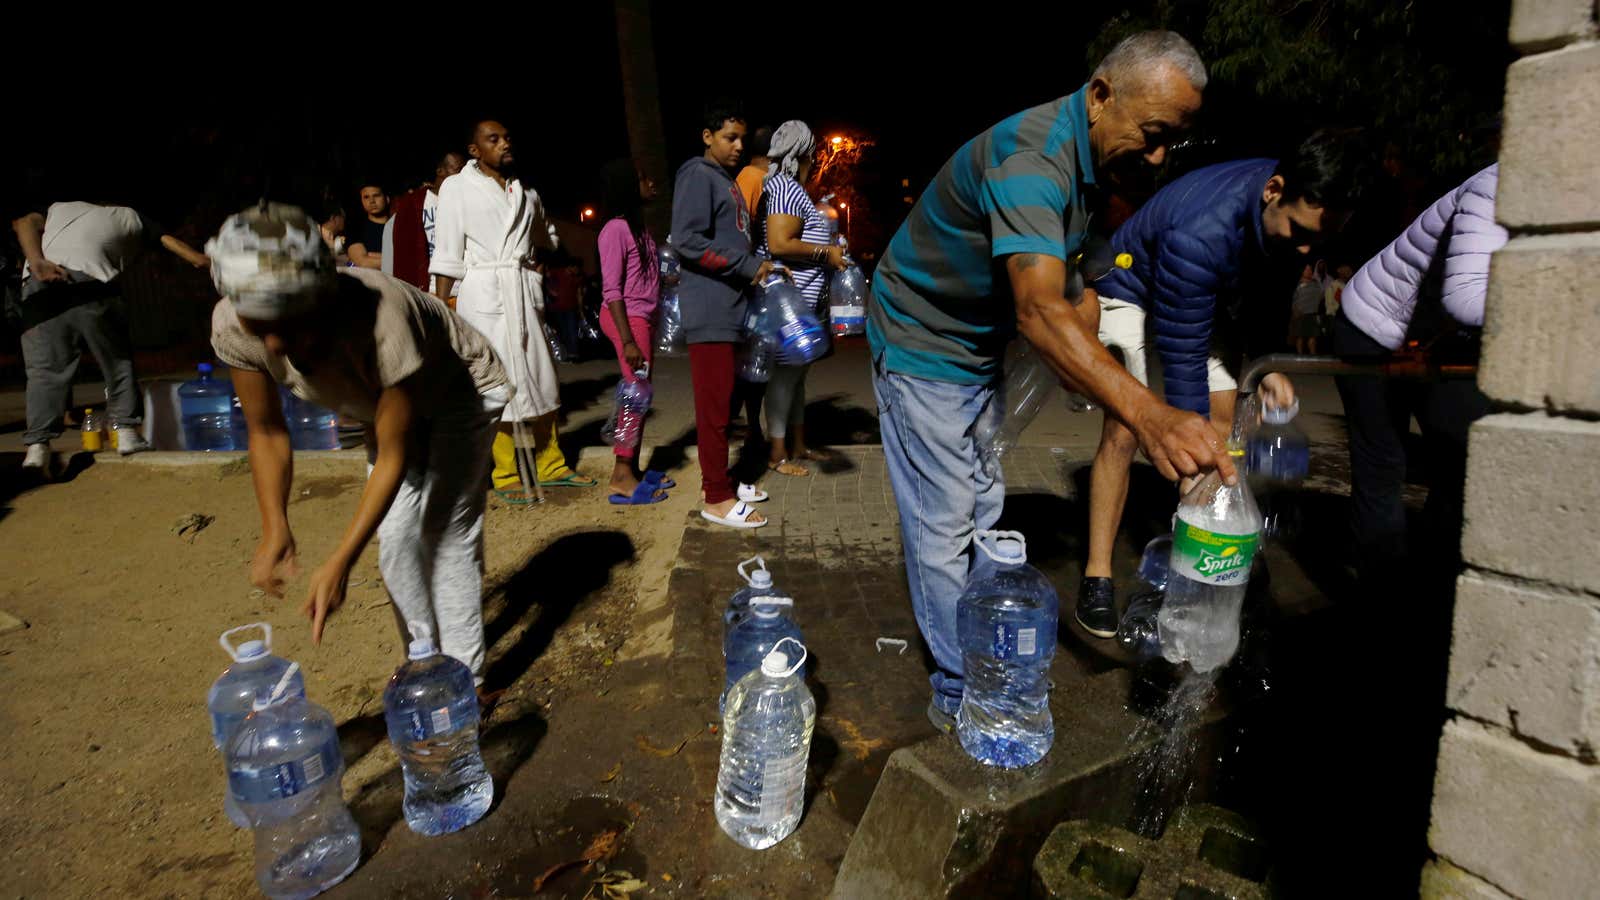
646 746
614 885
611 775
603 847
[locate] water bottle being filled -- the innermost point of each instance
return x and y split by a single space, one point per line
206 403
751 637
431 709
283 771
1214 541
1006 622
233 694
766 739
1278 460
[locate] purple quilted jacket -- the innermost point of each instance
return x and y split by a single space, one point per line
1381 297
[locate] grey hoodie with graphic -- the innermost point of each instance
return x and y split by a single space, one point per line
711 233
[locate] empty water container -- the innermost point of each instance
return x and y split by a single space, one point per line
206 404
758 583
233 694
766 742
668 338
801 339
283 771
758 351
670 267
311 427
431 709
1006 622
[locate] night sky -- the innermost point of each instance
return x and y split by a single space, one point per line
191 126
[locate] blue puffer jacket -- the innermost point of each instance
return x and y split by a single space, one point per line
1188 244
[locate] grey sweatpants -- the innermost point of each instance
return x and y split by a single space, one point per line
50 354
430 543
786 399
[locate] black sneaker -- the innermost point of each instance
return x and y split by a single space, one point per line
1097 607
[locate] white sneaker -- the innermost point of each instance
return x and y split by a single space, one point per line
38 456
130 441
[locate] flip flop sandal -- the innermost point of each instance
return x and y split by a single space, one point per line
790 468
573 481
749 493
515 496
646 493
659 479
738 517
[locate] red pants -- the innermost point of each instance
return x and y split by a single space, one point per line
711 370
641 337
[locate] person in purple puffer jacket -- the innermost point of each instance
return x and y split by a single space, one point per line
1427 287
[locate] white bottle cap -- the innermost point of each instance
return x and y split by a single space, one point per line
1009 550
776 664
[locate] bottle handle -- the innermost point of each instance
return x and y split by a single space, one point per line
746 575
799 662
233 653
997 535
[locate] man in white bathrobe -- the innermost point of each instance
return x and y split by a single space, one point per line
487 229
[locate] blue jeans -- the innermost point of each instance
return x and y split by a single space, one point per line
944 497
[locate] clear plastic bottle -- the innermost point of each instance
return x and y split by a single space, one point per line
847 296
311 427
1278 460
206 403
1026 388
631 407
1006 621
233 694
283 771
799 334
1214 541
766 741
431 709
750 638
758 351
668 338
670 266
758 583
1138 632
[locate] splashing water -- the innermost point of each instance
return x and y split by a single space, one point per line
1165 768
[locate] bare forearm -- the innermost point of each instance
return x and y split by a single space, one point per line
365 258
619 318
272 471
798 251
1075 353
30 235
382 486
442 286
185 252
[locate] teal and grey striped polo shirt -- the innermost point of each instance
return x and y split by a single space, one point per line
941 304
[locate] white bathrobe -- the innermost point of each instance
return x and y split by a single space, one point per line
484 237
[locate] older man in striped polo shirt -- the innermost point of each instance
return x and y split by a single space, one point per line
983 256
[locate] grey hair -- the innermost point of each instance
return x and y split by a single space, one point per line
1136 57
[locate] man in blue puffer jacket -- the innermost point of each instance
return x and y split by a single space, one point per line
1191 245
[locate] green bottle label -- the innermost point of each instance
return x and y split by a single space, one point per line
1211 557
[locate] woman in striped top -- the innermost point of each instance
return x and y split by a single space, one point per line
794 233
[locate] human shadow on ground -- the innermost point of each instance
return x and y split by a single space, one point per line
16 481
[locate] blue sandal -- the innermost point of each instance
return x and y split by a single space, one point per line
659 479
646 493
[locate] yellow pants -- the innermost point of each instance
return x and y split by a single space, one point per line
547 456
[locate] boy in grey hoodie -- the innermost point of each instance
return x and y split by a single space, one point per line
711 233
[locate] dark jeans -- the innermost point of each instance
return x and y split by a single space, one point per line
1378 413
50 354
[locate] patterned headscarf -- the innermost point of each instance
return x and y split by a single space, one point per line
792 144
270 260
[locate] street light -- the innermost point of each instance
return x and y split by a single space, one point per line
588 213
836 140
